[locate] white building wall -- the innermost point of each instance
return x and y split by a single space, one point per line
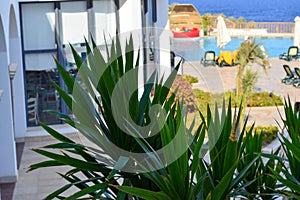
8 165
10 53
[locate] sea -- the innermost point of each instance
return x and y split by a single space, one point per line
250 10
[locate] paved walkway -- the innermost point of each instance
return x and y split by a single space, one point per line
37 184
216 79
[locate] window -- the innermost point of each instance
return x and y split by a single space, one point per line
46 34
105 20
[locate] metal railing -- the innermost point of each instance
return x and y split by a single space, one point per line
271 27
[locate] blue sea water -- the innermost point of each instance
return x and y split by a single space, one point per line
256 10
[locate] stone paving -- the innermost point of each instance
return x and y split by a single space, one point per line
37 184
216 79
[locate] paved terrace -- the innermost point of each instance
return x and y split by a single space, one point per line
36 185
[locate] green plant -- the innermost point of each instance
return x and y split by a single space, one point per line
248 81
290 176
201 179
174 181
268 133
232 19
224 152
96 166
254 99
206 22
190 79
203 98
259 182
248 53
179 171
261 99
241 19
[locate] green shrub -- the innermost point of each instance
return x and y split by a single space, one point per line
290 175
190 79
106 124
203 98
254 99
269 133
260 99
257 99
189 176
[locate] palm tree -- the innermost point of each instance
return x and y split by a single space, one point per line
249 52
206 22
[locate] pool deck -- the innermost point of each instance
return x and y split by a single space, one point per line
220 79
37 184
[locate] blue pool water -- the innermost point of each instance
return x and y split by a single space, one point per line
194 50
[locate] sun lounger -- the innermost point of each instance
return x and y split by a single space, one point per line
296 82
292 54
226 58
290 76
209 58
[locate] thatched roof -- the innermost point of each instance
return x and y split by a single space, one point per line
184 8
184 15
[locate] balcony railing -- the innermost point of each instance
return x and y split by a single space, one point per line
271 27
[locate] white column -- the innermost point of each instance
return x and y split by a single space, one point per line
91 23
130 16
130 20
8 161
19 91
130 23
15 58
164 37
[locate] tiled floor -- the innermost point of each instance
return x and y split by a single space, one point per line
7 189
37 184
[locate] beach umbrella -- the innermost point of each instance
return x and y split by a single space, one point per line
297 32
223 36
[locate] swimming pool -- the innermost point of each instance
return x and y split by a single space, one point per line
194 50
